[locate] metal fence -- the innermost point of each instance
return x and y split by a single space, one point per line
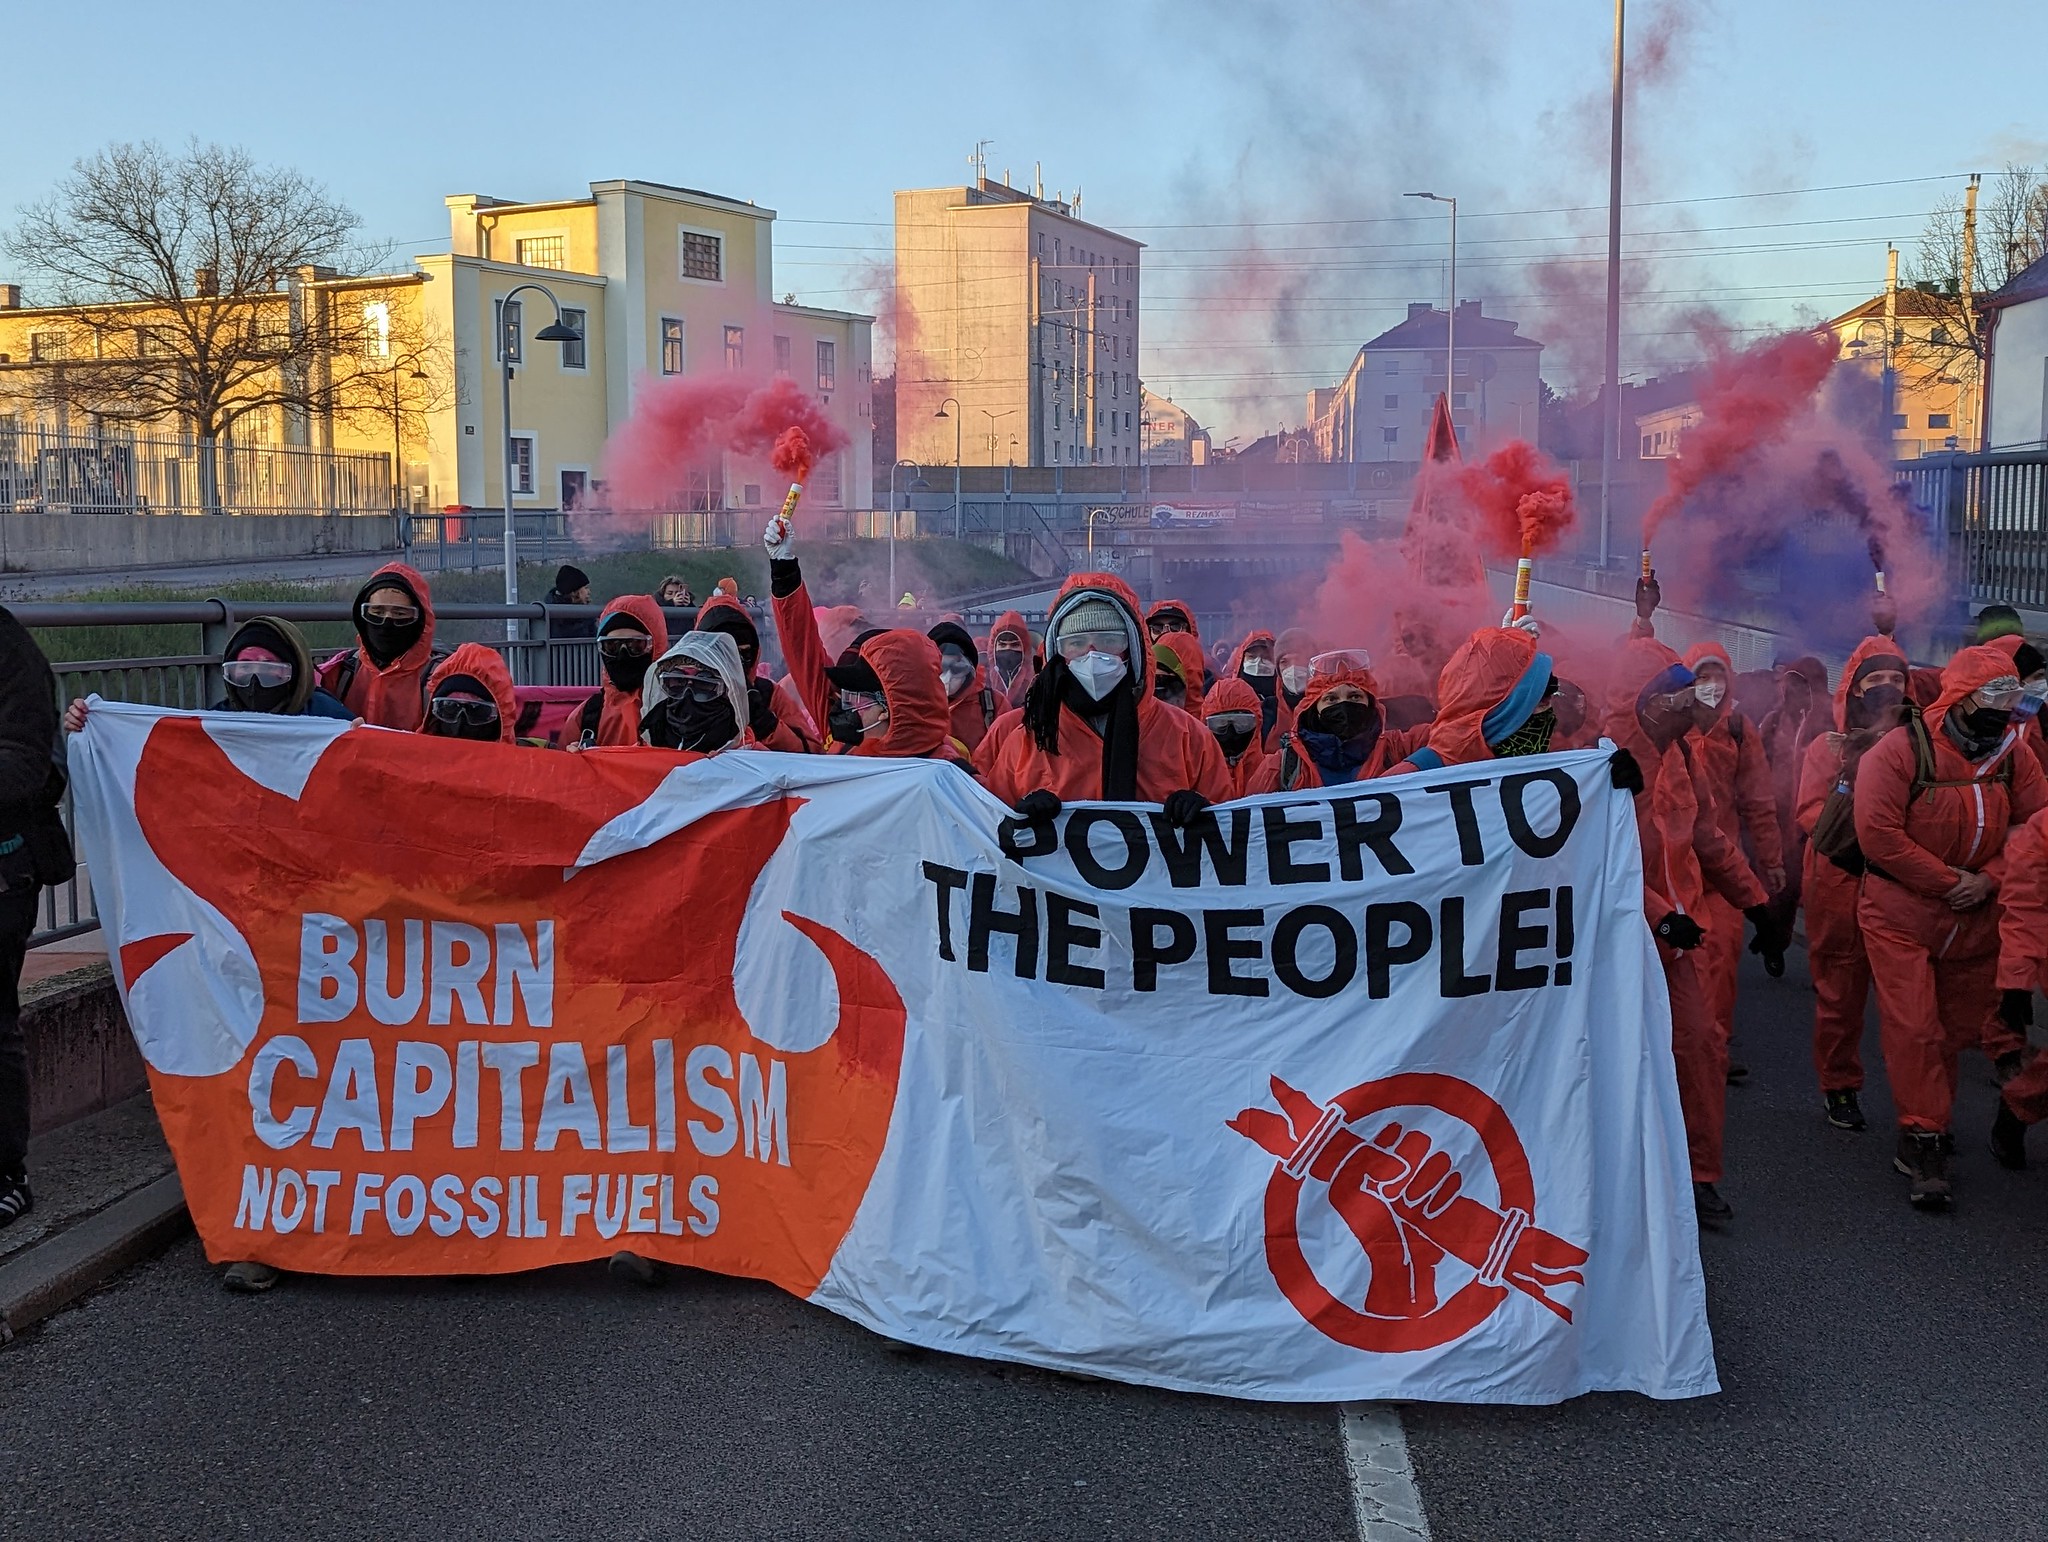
1990 512
109 471
192 680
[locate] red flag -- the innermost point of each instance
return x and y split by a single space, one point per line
1443 439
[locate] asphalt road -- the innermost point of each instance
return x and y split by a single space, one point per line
1880 1368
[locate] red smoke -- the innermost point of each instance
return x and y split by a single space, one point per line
1523 502
686 422
1752 401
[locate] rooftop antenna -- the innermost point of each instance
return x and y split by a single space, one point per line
1077 198
1038 180
979 160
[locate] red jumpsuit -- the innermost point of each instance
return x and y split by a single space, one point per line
392 695
1175 751
1483 672
1834 937
2023 948
486 666
1388 750
1012 690
1684 851
1936 969
618 721
1730 757
1283 719
1235 696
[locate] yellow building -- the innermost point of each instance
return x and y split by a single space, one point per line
657 281
1934 379
1026 316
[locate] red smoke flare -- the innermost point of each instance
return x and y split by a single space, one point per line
1751 401
1524 503
686 422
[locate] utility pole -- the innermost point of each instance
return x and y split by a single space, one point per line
1966 392
1891 328
1610 390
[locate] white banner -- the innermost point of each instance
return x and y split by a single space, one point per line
1365 1093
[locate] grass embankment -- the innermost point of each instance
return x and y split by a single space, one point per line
854 572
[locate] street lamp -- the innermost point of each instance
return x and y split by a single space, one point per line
916 481
1451 330
993 419
556 331
959 519
397 439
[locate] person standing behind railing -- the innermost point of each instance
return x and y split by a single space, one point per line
383 680
34 851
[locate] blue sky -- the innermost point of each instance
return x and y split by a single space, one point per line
1259 148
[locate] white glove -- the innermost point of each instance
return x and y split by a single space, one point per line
1528 624
779 539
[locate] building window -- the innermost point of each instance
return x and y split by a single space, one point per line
47 345
575 355
1390 436
1937 420
509 330
782 364
703 256
1391 364
1461 398
542 251
671 345
575 485
1391 403
828 367
1646 447
735 347
1898 420
522 465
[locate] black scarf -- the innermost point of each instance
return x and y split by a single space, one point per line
1115 717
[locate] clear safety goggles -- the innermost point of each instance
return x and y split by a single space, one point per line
1680 700
862 701
691 685
2000 695
1339 661
1231 722
399 614
463 711
1074 645
625 645
248 672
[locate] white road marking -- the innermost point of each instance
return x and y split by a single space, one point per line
1383 1492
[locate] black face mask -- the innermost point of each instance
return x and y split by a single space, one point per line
1341 720
260 698
1980 729
1264 685
1009 661
1532 738
691 725
1232 741
386 640
482 733
1878 704
844 727
628 673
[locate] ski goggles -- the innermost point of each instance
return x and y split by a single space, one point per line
2000 695
250 672
463 711
1075 645
691 685
625 645
1339 661
1231 722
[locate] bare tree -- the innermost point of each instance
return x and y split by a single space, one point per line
197 286
2012 231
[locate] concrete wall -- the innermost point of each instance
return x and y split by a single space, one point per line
45 543
81 1056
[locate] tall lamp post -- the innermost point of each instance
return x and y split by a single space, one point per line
1451 328
959 519
398 441
1610 395
556 331
915 482
993 419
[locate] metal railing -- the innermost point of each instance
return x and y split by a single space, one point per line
191 680
109 471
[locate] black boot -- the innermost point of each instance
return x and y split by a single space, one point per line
1710 1207
1922 1158
2009 1138
1844 1111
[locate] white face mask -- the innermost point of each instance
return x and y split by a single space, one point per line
1295 678
1709 693
1259 667
1098 673
956 677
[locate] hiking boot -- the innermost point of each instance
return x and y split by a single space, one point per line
633 1268
1844 1112
248 1278
1738 1073
1709 1206
1921 1158
15 1199
2009 1138
2007 1066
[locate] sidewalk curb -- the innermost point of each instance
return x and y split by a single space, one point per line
51 1275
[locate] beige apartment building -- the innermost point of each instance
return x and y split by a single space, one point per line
1019 321
1380 410
1172 436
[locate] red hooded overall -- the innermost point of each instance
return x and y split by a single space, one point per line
1684 852
1235 696
1283 719
392 695
486 666
1935 968
1012 690
791 734
1290 768
2023 948
618 722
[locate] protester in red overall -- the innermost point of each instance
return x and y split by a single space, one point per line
1293 653
470 697
1173 618
1188 665
1494 701
1650 707
774 719
1010 665
1867 705
383 679
1092 728
1339 734
1230 711
2032 668
1730 753
631 634
2022 969
1252 662
892 701
1934 850
973 702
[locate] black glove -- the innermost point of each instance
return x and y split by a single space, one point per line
1679 930
1623 772
1182 806
761 709
1040 807
1769 941
2016 1010
1649 595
